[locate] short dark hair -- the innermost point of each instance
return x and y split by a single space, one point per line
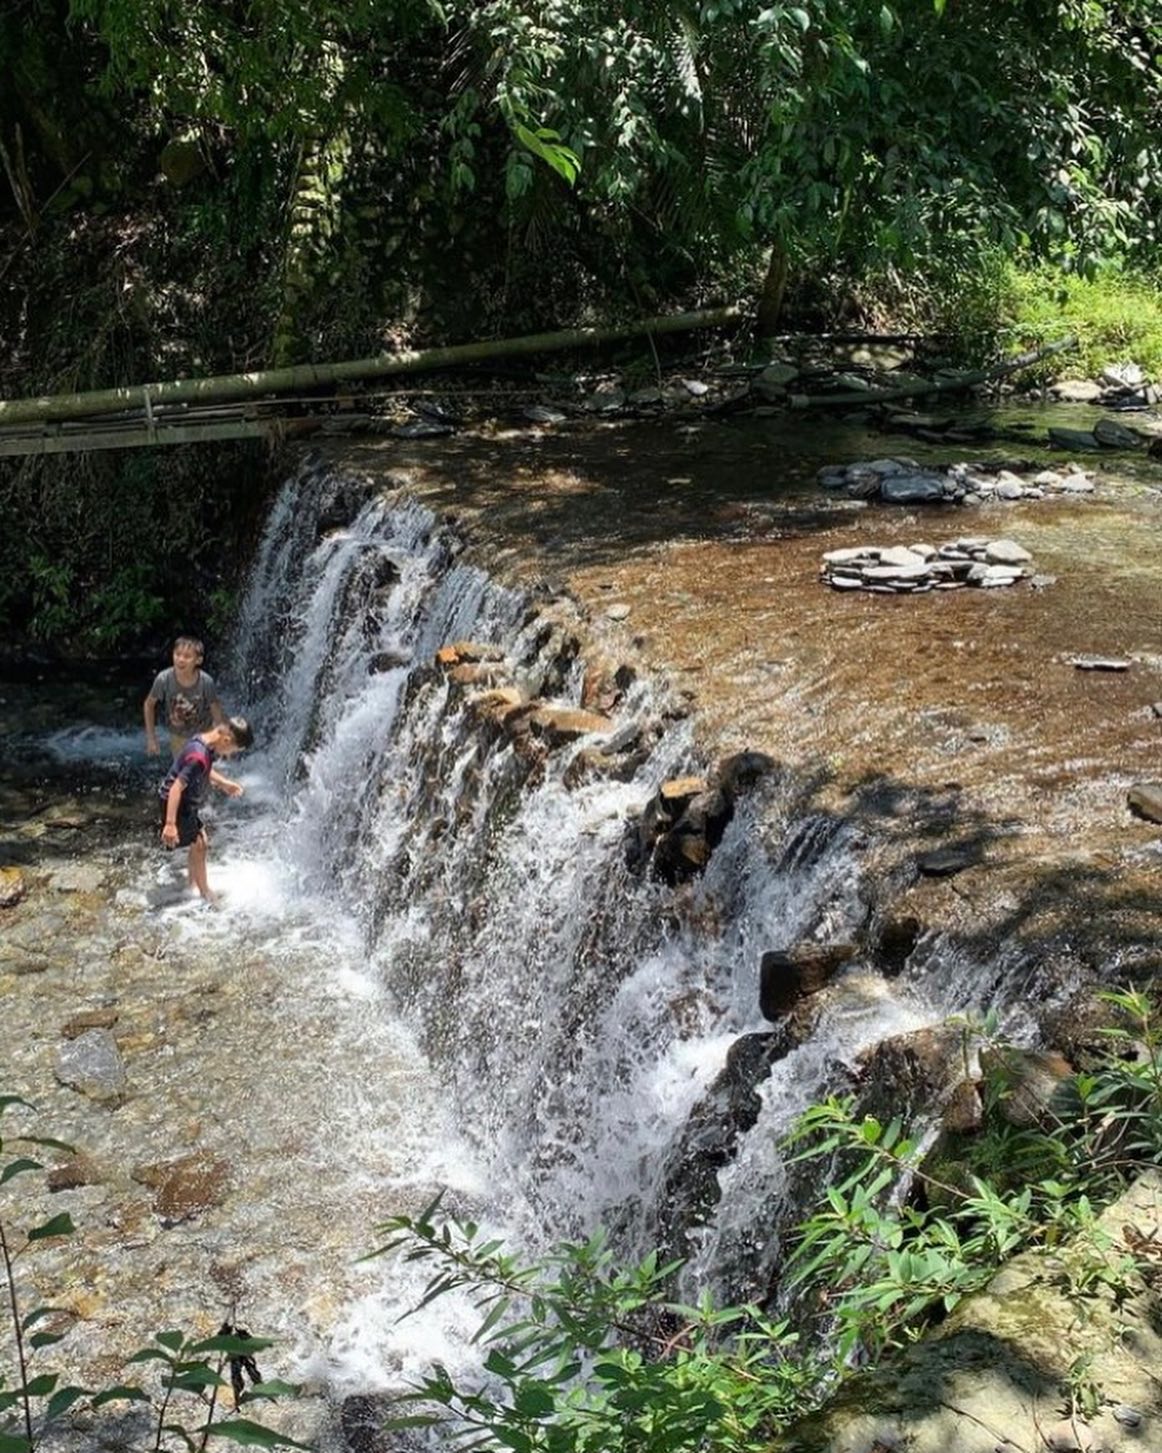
190 641
241 730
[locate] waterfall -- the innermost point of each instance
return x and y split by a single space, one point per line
575 1012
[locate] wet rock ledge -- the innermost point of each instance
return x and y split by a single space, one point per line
996 1374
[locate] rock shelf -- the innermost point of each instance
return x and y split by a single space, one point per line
908 570
904 481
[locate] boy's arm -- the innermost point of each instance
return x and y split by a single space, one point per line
225 784
169 833
151 746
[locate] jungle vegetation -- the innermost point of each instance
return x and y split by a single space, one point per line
210 187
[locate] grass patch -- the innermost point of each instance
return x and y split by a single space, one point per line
1116 317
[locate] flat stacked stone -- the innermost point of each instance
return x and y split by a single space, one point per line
908 570
903 481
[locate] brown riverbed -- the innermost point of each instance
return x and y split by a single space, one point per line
949 717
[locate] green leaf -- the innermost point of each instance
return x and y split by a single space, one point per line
232 1346
62 1400
61 1225
12 1444
7 1101
544 143
270 1390
46 1140
533 1400
172 1340
16 1168
121 1393
251 1435
38 1314
194 1379
41 1385
45 1339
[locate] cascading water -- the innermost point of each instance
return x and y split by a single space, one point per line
574 1017
461 981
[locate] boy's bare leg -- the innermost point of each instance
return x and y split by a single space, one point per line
198 877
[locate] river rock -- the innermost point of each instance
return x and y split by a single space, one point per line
12 887
469 652
1145 800
606 399
78 878
92 1065
496 706
78 1170
1076 390
184 1187
482 673
558 725
912 488
1115 436
1123 375
787 976
1036 1084
910 1074
944 862
1080 439
387 661
543 414
1006 552
1100 663
88 1019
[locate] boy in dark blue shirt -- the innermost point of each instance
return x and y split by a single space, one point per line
184 789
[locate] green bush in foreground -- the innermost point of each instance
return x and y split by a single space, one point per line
583 1357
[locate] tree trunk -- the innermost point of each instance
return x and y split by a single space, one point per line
773 293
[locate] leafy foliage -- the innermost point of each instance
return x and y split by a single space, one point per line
584 1356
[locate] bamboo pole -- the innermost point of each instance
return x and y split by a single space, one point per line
311 375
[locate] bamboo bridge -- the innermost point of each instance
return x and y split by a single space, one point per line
273 404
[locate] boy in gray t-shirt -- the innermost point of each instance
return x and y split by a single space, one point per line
186 695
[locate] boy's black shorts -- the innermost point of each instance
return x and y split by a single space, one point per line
189 822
